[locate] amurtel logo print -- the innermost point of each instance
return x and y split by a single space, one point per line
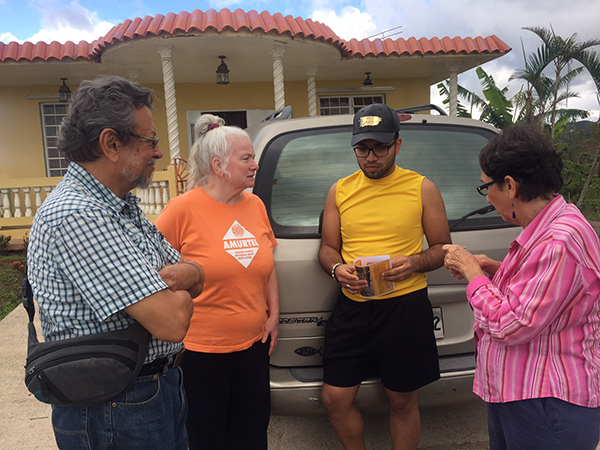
240 243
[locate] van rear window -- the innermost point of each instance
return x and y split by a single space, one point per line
298 168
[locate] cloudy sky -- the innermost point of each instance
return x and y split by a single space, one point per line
75 20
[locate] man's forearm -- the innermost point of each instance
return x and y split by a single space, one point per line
187 275
428 260
328 257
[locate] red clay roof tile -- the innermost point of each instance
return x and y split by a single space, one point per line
200 21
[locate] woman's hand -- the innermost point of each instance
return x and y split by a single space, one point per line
271 329
461 263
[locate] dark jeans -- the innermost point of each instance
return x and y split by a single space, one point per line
543 424
229 398
149 415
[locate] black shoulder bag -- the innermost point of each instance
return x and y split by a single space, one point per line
82 371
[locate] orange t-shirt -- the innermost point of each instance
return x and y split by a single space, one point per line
234 245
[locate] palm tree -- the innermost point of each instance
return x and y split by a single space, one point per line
496 109
560 53
464 93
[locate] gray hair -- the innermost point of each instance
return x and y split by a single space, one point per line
106 102
211 142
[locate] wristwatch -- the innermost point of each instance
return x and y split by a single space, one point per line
335 266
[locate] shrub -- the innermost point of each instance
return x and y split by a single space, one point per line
4 241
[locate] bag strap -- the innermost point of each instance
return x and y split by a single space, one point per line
27 298
28 304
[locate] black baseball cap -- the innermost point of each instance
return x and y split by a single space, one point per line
375 121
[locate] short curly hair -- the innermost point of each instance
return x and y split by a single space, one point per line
106 102
527 154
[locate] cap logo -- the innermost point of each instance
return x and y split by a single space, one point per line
370 121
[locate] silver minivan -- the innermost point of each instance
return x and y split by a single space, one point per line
299 160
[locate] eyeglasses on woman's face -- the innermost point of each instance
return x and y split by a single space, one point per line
483 189
362 151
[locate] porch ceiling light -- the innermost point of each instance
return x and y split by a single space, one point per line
368 81
222 72
64 93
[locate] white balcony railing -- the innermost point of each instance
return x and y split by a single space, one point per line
20 198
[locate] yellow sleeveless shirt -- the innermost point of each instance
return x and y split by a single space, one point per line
382 217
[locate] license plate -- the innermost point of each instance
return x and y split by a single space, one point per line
438 323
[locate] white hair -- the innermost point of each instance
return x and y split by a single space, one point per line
211 142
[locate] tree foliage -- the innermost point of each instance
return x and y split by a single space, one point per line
548 73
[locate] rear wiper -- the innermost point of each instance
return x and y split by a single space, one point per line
484 210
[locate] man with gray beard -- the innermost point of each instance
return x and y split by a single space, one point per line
96 264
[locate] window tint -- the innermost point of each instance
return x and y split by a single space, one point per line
299 168
306 169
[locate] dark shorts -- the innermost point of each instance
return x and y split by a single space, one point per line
391 339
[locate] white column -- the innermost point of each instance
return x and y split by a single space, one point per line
38 197
166 57
278 86
143 195
151 201
26 192
6 202
453 90
47 190
165 187
311 73
16 202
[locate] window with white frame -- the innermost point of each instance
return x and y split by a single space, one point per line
52 115
346 104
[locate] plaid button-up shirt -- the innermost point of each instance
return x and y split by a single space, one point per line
90 255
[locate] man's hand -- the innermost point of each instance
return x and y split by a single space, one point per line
346 276
402 269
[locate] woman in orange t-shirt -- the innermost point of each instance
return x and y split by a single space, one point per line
234 328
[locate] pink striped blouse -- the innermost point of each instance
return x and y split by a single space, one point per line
537 323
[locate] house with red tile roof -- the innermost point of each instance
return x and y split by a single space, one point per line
273 62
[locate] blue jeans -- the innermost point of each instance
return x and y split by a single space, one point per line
150 414
543 424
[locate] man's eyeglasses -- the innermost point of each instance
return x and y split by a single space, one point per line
483 189
153 140
381 150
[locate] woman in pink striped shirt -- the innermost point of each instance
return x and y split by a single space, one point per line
537 313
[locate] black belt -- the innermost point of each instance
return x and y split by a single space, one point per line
161 365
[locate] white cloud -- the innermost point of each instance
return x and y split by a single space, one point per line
350 23
63 34
9 37
64 22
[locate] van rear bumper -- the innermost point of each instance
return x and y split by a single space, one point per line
297 391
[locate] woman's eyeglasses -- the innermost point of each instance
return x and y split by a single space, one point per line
483 189
381 150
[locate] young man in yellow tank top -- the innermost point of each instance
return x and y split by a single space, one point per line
381 209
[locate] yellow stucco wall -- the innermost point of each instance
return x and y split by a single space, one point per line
21 147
